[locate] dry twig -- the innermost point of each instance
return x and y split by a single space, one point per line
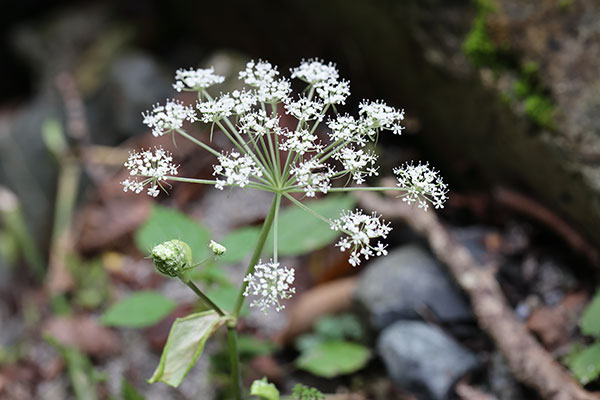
527 359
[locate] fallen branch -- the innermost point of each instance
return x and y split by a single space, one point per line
527 359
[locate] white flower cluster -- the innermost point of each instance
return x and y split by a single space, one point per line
381 116
325 79
196 79
236 169
271 283
154 167
313 176
358 163
315 71
216 110
301 141
166 118
361 229
423 185
258 123
304 109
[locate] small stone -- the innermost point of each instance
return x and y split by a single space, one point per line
422 359
396 286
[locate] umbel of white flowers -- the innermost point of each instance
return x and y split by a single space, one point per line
266 155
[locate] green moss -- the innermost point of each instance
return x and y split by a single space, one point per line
478 45
564 5
481 50
540 109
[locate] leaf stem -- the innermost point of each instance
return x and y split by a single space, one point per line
204 298
307 209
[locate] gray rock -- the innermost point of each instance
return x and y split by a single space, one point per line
134 83
406 280
422 359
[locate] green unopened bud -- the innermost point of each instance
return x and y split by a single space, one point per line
172 258
216 248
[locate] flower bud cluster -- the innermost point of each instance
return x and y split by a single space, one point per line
172 258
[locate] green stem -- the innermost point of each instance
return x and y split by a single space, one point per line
307 209
356 189
204 297
235 362
276 231
199 143
252 185
262 238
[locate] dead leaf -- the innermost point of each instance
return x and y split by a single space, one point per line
329 298
83 333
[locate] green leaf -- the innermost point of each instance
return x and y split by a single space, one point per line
82 374
590 322
303 392
300 232
240 243
345 326
265 390
166 224
129 392
249 346
141 309
586 365
225 297
334 357
184 345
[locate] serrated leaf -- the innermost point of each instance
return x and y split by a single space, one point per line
590 322
184 345
586 365
301 232
165 224
141 309
334 357
265 390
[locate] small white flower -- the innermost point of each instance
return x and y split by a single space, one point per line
236 169
301 141
259 73
196 79
423 184
361 229
347 129
274 92
259 123
313 176
358 163
164 119
217 248
305 110
333 91
381 116
244 101
215 110
154 167
270 283
314 71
